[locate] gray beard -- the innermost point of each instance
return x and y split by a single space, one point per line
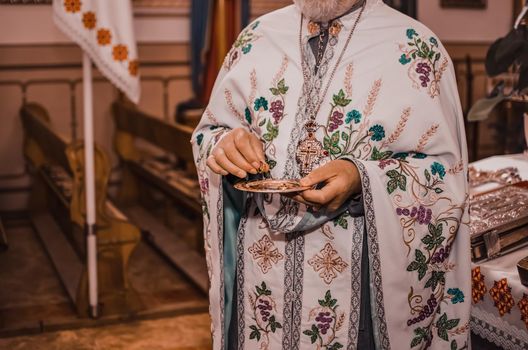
323 10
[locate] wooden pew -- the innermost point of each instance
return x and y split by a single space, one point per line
58 210
177 181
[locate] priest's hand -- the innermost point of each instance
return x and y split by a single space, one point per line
341 180
238 153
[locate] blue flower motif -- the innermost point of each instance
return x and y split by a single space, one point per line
261 103
246 49
457 295
354 115
437 168
378 133
199 139
255 25
419 155
213 127
411 33
433 41
404 59
247 113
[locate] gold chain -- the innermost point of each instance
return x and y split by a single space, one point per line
314 111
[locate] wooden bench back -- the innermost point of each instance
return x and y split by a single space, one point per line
42 145
172 138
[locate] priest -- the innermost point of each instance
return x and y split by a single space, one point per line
360 104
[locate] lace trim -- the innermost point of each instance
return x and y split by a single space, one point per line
498 331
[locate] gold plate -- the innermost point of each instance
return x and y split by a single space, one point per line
271 186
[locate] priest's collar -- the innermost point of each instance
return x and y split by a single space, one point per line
314 28
354 8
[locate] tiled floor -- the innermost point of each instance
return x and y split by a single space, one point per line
176 333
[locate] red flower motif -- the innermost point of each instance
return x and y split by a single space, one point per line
502 297
89 20
133 67
72 5
120 52
478 289
104 37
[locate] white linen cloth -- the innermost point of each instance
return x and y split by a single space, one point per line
104 30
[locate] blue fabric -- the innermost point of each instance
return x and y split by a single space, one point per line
245 12
201 15
234 204
314 219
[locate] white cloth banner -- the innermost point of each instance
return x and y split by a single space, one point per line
104 31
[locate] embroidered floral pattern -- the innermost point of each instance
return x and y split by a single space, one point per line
89 20
120 52
523 306
328 263
457 296
265 115
72 6
431 256
502 297
242 45
133 67
426 65
104 37
327 322
438 169
264 308
478 286
341 220
265 253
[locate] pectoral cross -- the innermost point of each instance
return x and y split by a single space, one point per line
309 151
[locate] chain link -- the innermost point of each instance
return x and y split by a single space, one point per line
314 110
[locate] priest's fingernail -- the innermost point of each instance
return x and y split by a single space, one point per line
255 165
253 171
241 174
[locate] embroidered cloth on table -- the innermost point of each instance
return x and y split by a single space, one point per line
500 301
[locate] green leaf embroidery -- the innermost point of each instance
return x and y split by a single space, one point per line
427 175
393 174
248 115
255 333
326 143
416 341
341 220
437 277
272 133
444 325
418 264
392 185
313 333
378 155
283 89
340 99
402 182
